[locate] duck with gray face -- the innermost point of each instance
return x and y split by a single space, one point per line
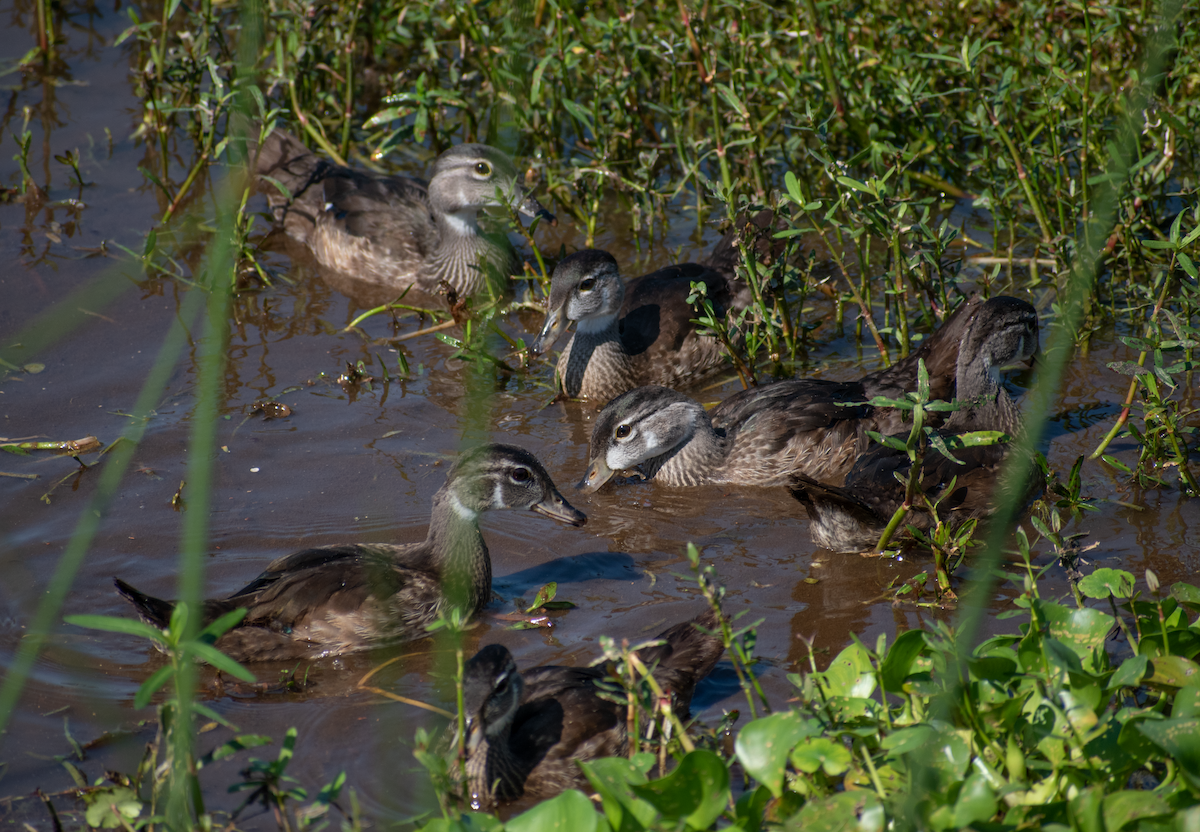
526 731
626 336
332 600
851 518
395 230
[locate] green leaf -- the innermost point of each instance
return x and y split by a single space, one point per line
1105 582
217 659
976 801
858 811
571 811
544 594
224 624
1181 739
612 777
1130 673
112 807
763 746
697 791
113 624
149 687
1172 672
897 664
1123 807
821 753
851 673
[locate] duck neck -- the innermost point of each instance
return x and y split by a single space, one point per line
694 460
459 554
465 253
493 771
987 406
595 363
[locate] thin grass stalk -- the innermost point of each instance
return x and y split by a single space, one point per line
49 609
1042 397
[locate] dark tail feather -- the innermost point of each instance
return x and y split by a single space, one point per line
815 495
285 159
758 232
153 611
691 651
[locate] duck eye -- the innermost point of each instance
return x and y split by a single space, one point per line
587 284
622 431
520 475
483 168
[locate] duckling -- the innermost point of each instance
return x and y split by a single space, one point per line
525 731
765 435
392 229
627 336
331 600
852 518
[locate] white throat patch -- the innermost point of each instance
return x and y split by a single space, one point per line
461 510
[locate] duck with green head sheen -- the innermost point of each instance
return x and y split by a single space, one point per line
331 600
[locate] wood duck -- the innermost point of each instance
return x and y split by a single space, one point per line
392 229
626 336
331 600
642 332
765 435
852 517
525 731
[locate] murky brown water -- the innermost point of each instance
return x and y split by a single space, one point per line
327 474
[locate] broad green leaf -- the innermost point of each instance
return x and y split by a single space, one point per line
821 753
897 664
1123 807
696 792
113 624
1181 739
858 811
1083 630
1171 672
763 746
611 777
1130 673
112 807
851 673
544 594
571 811
1105 582
976 801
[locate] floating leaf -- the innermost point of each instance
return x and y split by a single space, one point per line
696 792
571 811
763 746
1105 582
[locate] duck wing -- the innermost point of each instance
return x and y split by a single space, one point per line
808 425
562 716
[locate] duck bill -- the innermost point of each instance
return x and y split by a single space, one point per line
530 207
598 473
556 323
556 507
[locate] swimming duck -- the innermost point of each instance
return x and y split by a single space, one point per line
331 600
852 517
525 731
626 336
765 435
392 229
